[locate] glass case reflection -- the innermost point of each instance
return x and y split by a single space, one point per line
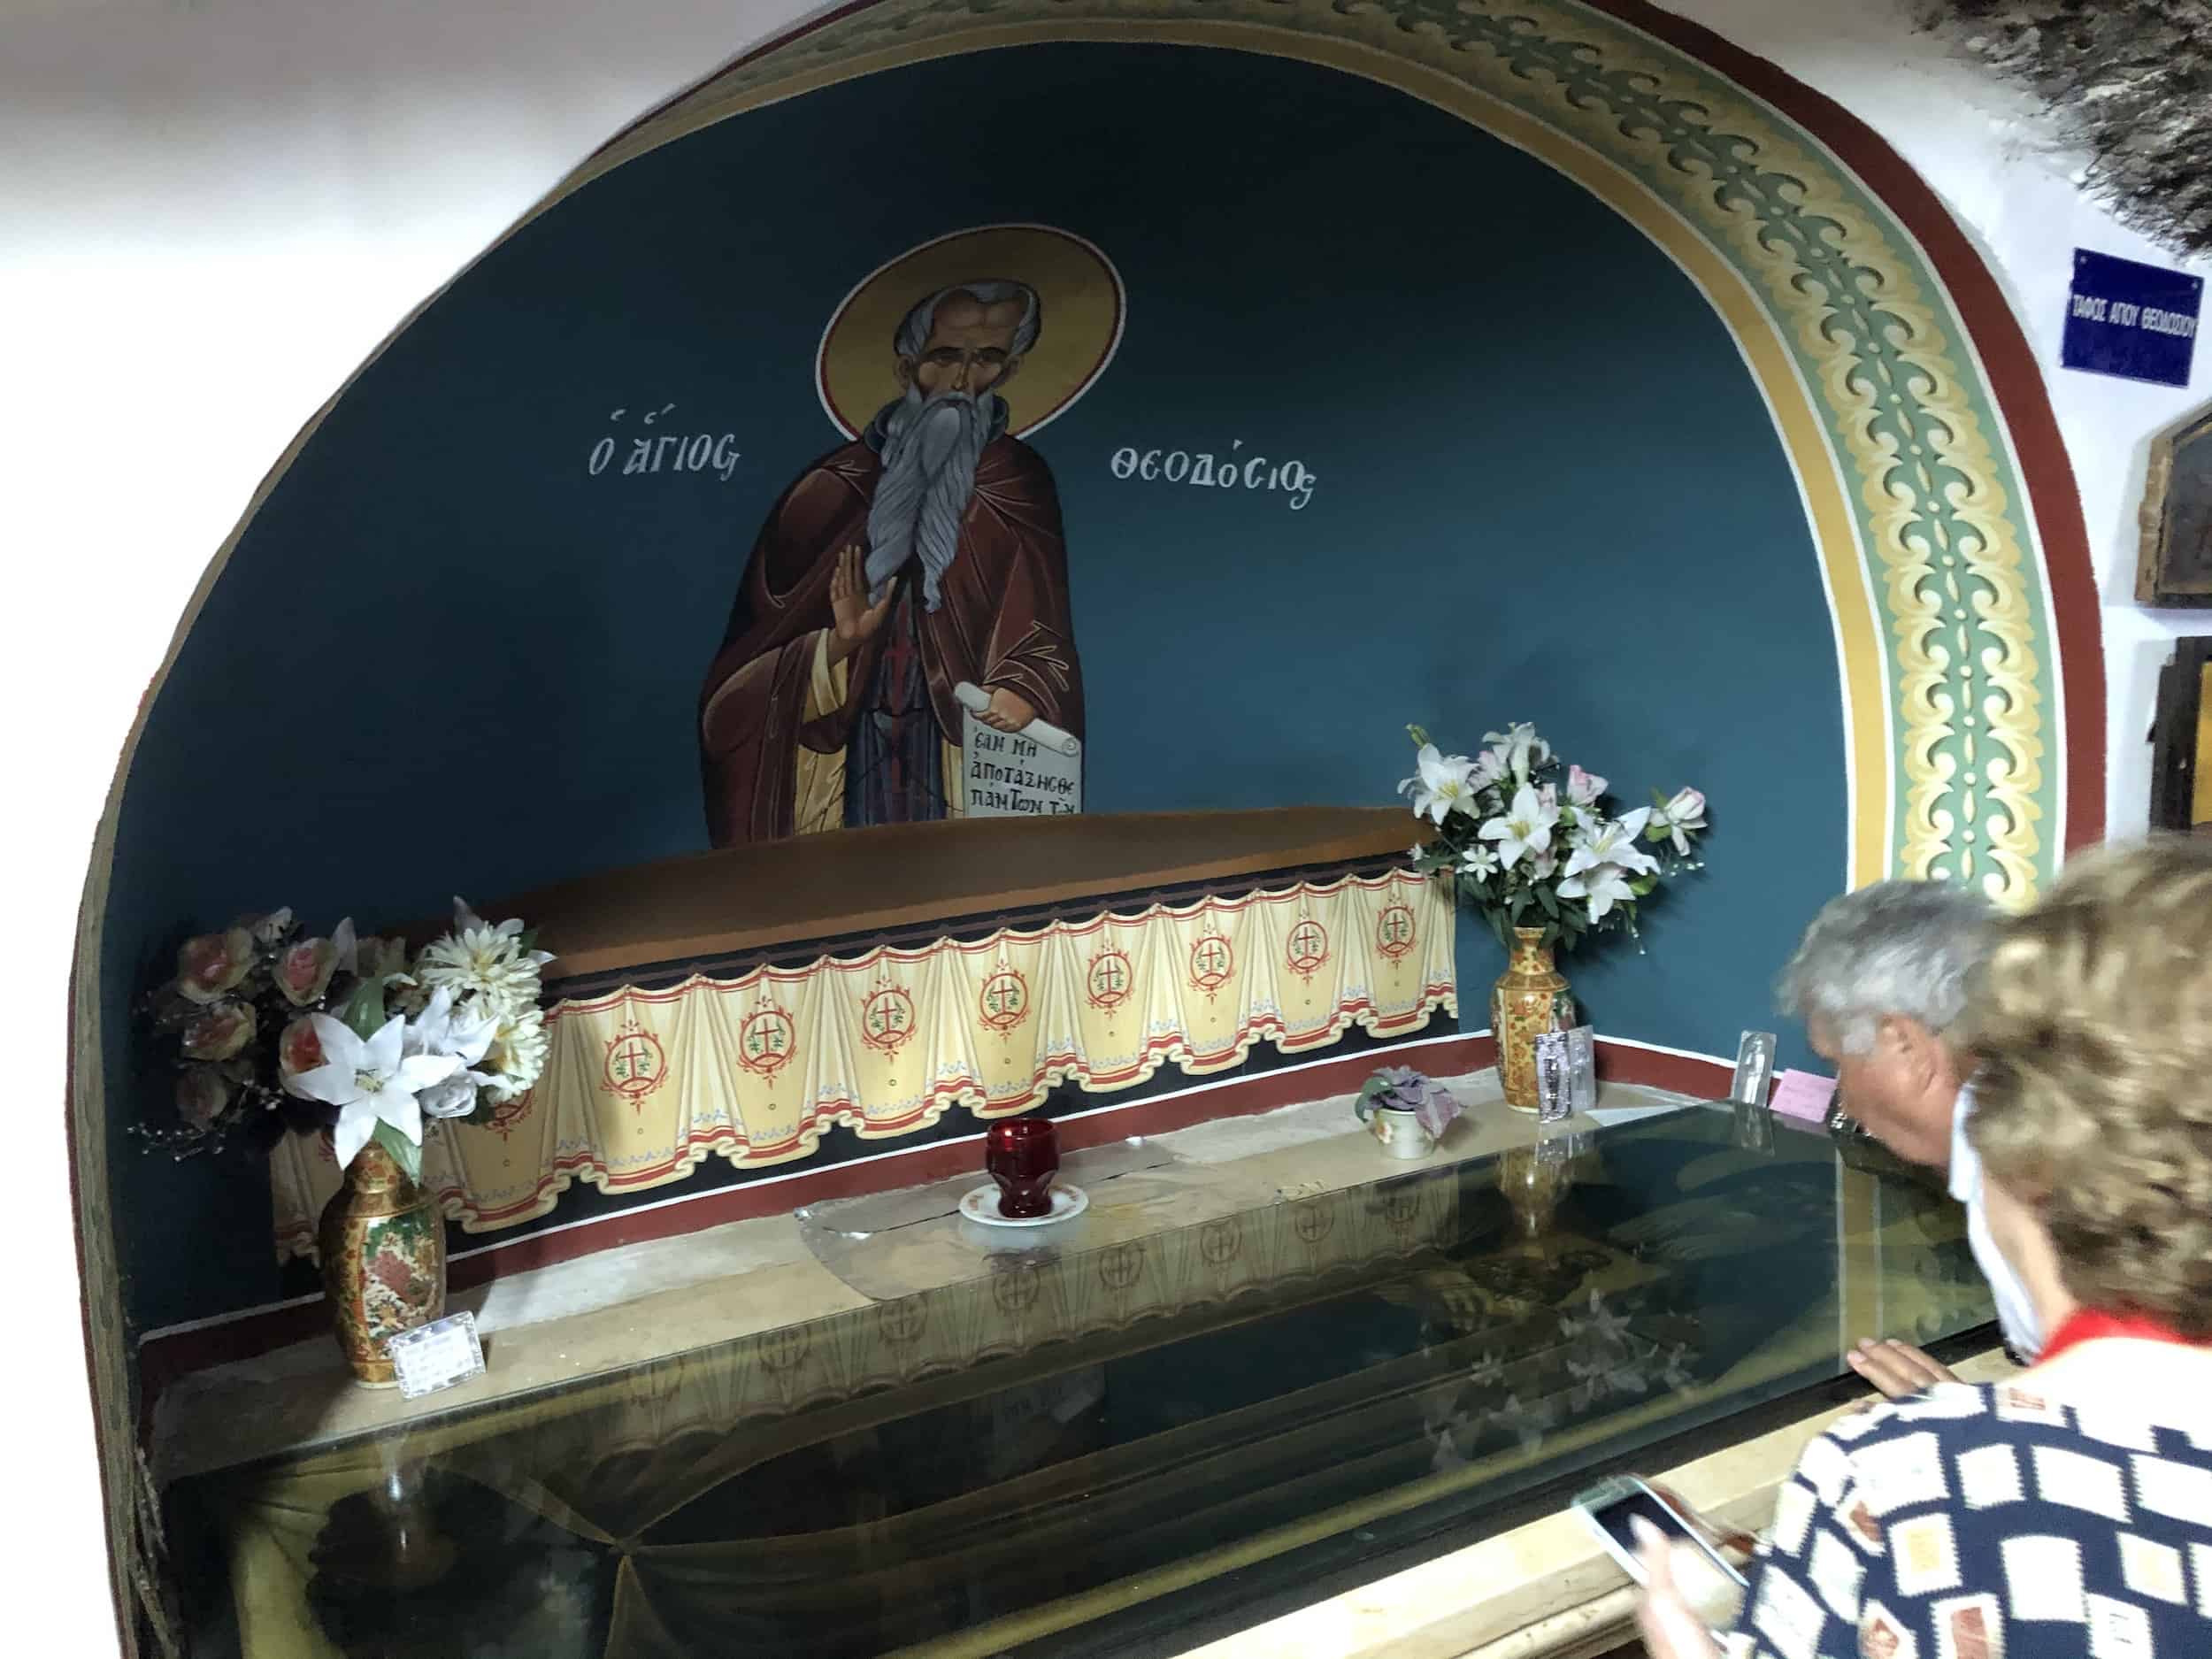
1026 1458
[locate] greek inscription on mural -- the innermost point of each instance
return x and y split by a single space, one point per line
1203 469
666 451
1010 775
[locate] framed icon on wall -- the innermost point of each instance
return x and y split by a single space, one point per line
2174 564
2181 740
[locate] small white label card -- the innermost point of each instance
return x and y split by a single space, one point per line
437 1356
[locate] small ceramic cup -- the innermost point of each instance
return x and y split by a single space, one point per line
1023 1154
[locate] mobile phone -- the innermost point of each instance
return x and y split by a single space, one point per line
1612 1505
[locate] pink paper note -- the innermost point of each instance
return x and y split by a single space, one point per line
1803 1094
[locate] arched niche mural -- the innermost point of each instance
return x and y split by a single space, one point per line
1616 399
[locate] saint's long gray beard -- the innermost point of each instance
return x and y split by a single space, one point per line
931 448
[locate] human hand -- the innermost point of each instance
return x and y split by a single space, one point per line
1727 1539
1008 710
1898 1369
855 621
1670 1628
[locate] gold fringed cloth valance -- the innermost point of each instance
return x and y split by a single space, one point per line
642 1085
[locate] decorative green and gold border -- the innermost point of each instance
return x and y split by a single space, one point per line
1941 608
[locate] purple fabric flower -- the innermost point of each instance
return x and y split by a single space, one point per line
1402 1088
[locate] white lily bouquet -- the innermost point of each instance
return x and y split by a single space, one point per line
275 1030
1532 843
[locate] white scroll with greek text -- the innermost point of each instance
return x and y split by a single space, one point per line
1034 773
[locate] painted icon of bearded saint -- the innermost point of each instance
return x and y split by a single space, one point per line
926 553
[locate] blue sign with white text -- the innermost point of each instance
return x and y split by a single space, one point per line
2136 321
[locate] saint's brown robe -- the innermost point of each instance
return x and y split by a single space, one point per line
1002 620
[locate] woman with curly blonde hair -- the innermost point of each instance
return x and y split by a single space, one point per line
2069 1511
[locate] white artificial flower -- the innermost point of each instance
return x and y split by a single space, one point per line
1526 1423
1602 1324
1600 1377
1584 788
369 1082
1682 817
1614 842
1479 862
347 943
465 920
1604 886
440 1029
1490 766
1443 784
437 1030
1522 748
452 1097
1526 827
485 963
517 1055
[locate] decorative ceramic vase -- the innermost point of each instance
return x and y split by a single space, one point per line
1023 1154
1402 1132
1529 999
383 1250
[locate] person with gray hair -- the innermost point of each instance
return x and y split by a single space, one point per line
1880 980
925 555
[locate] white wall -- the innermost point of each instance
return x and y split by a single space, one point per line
214 209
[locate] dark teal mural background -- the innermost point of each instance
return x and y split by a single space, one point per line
446 657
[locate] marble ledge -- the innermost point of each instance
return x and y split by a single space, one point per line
599 1314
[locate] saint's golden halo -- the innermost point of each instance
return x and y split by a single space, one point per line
1078 291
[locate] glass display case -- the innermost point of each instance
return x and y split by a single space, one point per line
1113 1443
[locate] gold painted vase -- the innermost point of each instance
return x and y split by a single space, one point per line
1529 999
383 1250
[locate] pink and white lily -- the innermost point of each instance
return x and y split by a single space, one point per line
1524 828
1612 841
1681 817
1584 788
1601 885
1444 784
369 1082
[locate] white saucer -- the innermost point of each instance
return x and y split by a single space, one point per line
982 1205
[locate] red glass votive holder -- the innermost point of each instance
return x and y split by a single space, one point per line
1023 1154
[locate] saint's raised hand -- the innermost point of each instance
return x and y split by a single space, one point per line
855 621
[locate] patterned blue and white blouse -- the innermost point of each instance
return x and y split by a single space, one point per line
1989 1523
